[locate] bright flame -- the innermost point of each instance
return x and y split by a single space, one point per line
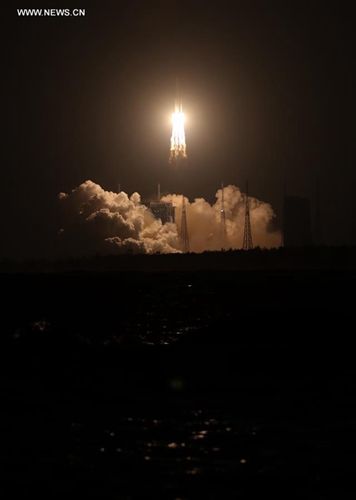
178 146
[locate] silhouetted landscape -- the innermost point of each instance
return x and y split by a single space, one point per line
312 257
181 384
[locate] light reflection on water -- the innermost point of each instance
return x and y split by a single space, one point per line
130 334
189 443
193 443
156 318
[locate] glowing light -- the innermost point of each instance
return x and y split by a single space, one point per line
196 470
178 145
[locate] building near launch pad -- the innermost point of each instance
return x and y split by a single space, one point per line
162 210
296 222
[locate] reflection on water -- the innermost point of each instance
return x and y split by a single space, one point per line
226 453
159 313
127 334
185 421
195 442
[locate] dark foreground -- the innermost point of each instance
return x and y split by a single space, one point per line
179 385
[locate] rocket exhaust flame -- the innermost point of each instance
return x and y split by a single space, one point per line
178 146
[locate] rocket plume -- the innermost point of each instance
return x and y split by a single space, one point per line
95 220
178 146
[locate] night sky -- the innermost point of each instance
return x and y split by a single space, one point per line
268 89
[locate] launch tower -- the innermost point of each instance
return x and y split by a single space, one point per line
247 241
183 236
223 234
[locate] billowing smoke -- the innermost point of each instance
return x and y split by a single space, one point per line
99 221
203 221
96 220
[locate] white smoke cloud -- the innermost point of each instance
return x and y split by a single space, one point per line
95 220
203 221
102 221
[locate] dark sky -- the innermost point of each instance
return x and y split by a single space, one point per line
268 89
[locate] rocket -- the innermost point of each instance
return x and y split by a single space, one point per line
178 146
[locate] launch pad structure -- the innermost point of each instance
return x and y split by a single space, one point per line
161 209
166 212
247 240
223 233
184 235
